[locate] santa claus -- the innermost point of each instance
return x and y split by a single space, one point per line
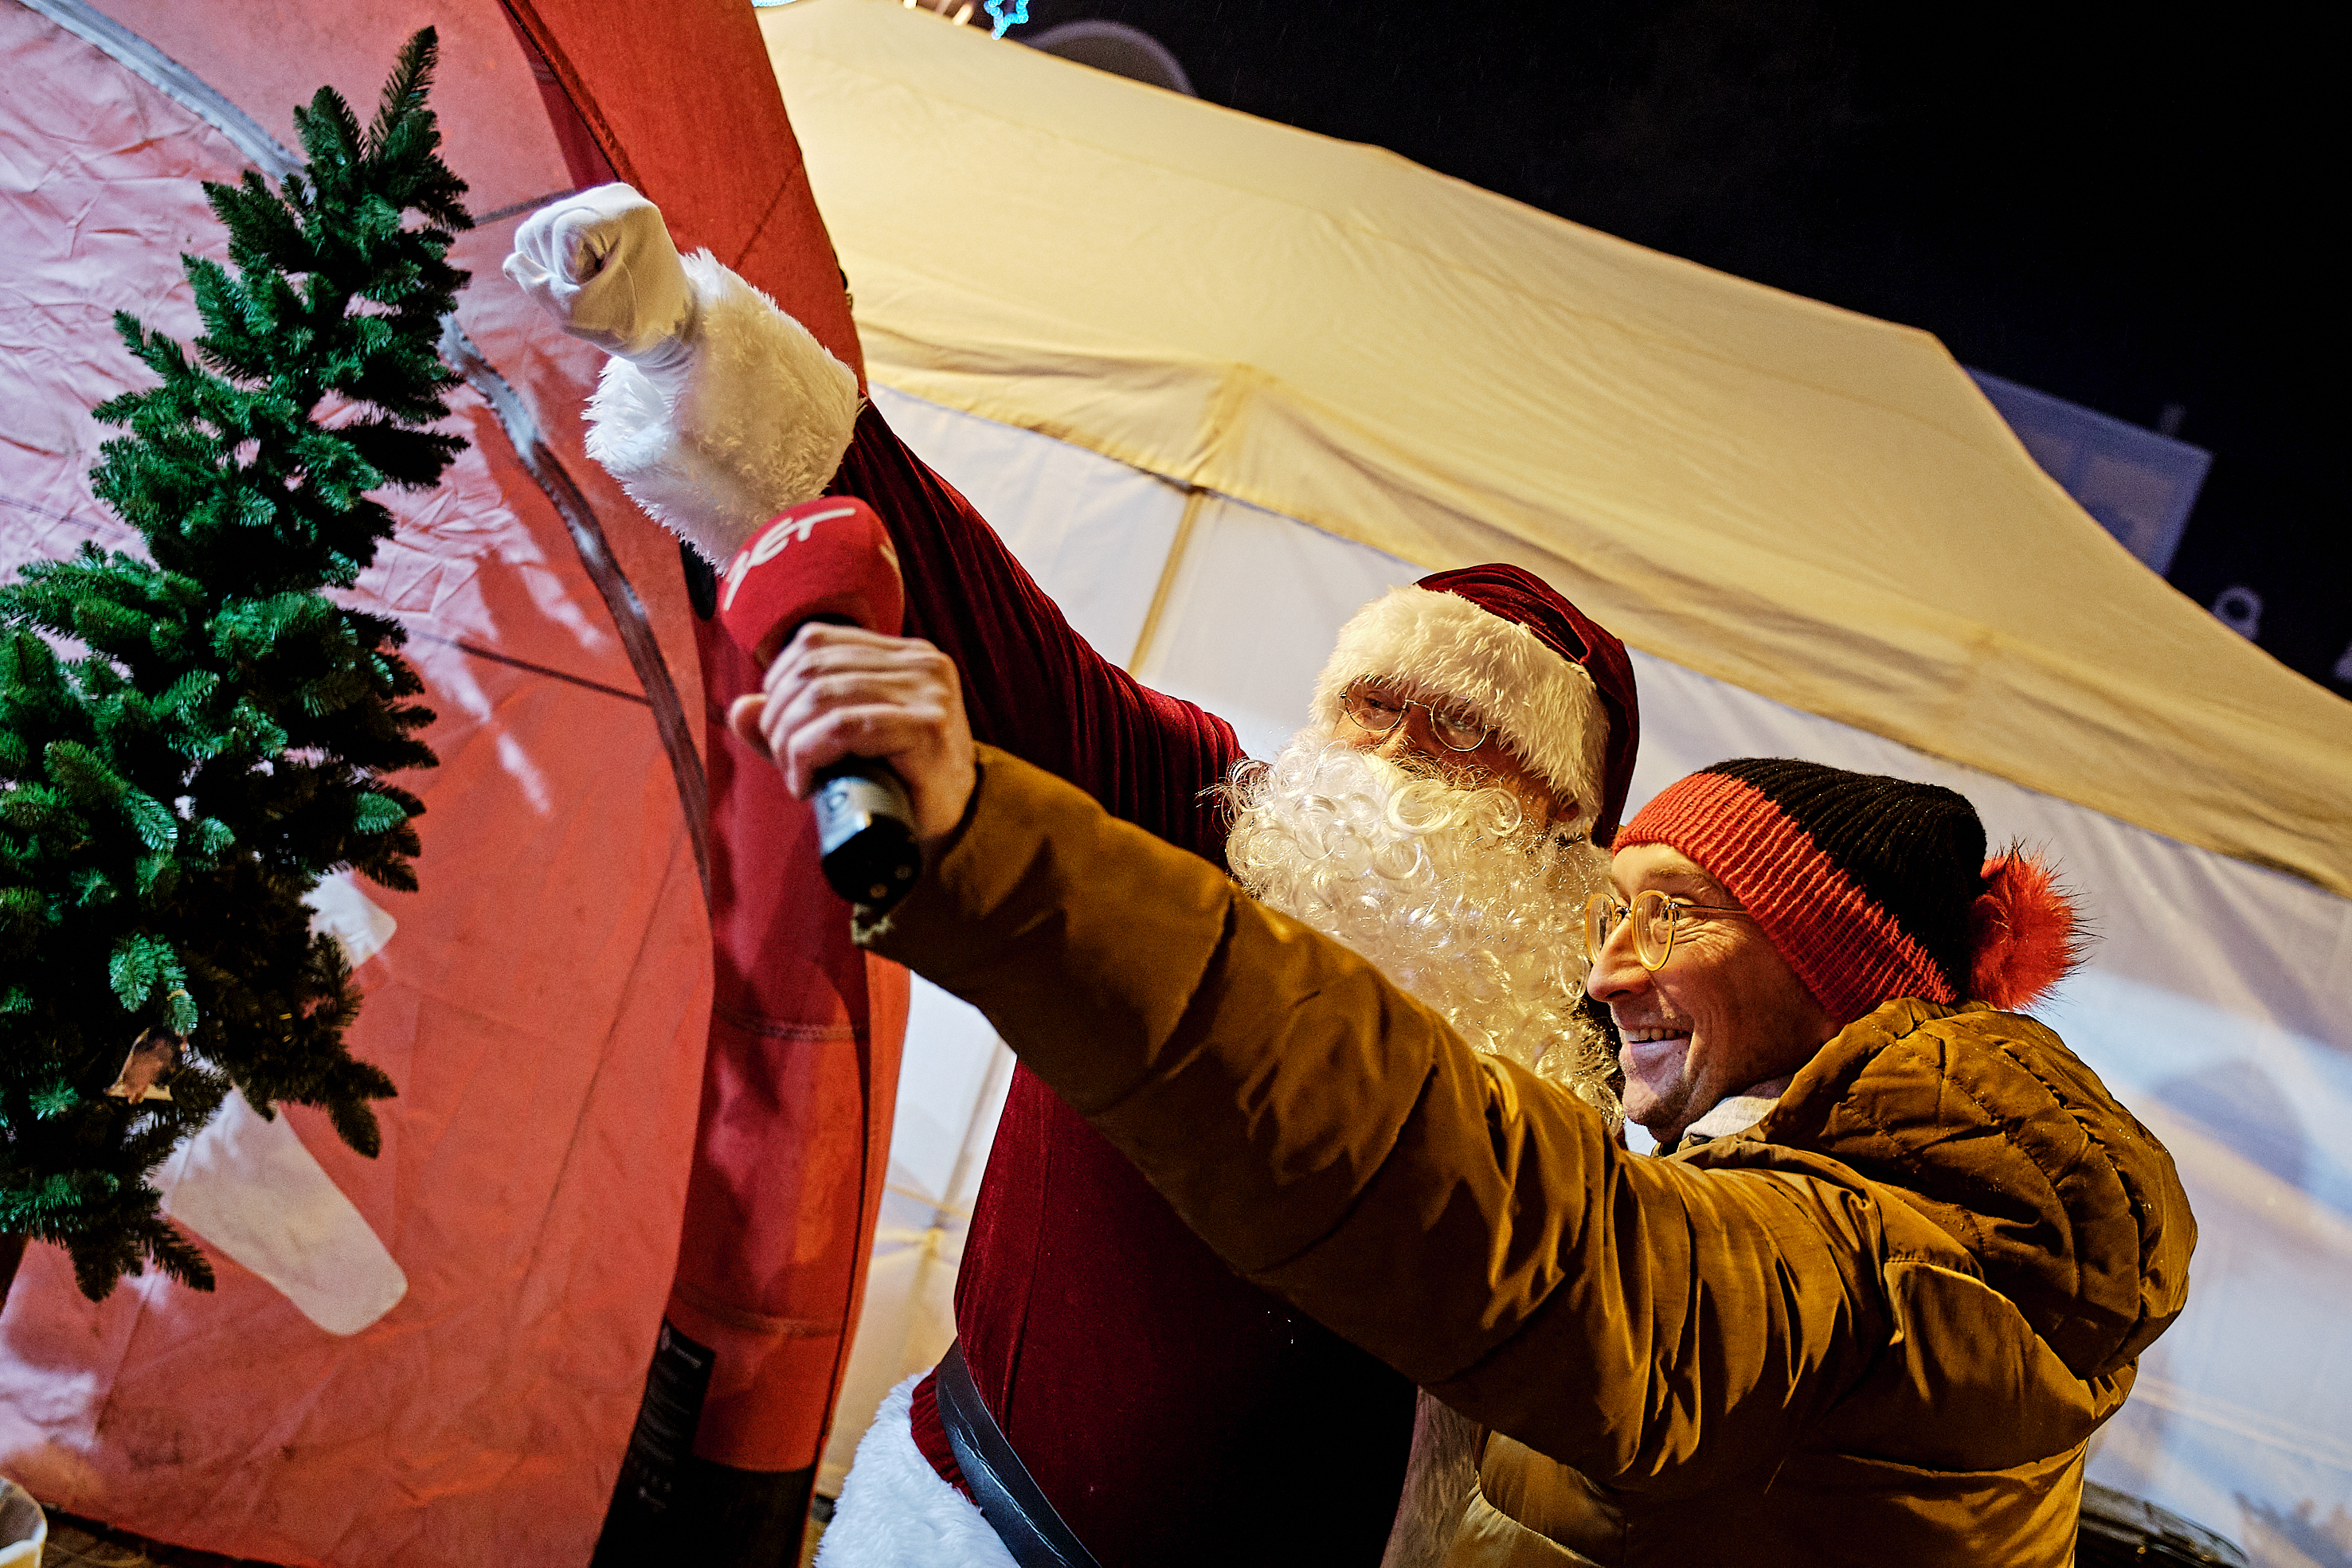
1116 1395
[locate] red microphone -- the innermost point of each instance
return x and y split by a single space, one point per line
831 559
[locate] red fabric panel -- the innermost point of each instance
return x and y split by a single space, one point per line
582 159
793 1139
1174 1412
267 57
792 1145
682 102
542 1006
1212 1387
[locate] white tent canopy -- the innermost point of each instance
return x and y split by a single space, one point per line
1220 382
1813 505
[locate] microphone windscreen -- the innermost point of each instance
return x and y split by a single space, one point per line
830 558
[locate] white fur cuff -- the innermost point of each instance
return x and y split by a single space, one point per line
896 1512
1441 646
756 420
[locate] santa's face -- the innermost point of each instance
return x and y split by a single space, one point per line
1458 894
1413 742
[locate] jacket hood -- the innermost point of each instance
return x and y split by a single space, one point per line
1997 1134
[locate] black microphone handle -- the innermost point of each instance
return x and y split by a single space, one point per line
865 823
866 833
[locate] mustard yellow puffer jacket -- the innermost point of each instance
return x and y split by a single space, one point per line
1876 1329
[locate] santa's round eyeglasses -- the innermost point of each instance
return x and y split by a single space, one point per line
1372 707
1655 916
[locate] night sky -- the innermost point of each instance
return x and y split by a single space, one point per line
2123 209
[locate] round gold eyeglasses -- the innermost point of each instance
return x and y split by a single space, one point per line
1372 707
1654 918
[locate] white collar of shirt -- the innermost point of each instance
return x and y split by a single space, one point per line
1736 1112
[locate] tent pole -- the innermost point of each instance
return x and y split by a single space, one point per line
1193 497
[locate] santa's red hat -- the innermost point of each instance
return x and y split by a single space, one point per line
1504 644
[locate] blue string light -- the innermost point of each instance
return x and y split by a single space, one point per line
1020 14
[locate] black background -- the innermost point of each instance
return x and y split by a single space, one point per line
2124 208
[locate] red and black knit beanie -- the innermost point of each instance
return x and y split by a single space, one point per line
1870 887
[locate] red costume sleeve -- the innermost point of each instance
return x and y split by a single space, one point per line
1148 1390
1031 684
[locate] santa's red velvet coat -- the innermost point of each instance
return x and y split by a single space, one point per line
1171 1412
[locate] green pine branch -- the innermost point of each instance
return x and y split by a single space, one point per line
190 741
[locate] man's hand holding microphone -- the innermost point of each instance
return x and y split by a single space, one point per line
839 692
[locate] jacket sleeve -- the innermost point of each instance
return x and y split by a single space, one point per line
1653 1324
759 417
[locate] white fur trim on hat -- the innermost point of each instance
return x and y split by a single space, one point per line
1442 646
896 1512
756 421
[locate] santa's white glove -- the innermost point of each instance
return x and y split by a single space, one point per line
601 262
717 410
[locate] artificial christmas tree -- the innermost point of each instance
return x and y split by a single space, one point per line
188 743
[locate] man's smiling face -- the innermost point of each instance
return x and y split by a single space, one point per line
1724 1012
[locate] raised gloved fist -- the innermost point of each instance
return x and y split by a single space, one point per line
601 262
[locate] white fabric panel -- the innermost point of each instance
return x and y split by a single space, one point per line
1091 530
1257 602
952 1088
954 1070
2214 1000
342 909
1793 497
250 1187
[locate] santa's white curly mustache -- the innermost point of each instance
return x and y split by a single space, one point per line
1448 890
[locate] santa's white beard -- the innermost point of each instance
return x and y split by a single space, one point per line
1447 890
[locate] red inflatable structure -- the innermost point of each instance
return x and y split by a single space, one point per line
586 1173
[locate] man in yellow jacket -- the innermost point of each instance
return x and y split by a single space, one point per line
1870 1314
